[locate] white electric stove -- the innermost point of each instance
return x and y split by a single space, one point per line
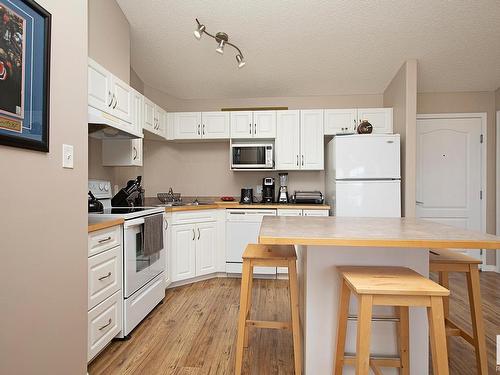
143 276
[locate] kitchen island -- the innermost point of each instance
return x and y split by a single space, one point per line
323 243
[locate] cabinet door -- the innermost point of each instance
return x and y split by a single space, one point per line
187 125
149 115
311 139
206 248
287 144
122 152
161 121
380 118
183 252
122 105
264 124
215 125
316 213
242 124
137 111
136 152
99 87
340 121
289 212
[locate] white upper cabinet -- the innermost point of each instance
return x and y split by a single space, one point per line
340 121
149 115
201 125
312 148
287 143
258 124
137 111
161 121
264 123
122 105
346 121
215 125
99 87
122 152
380 118
300 140
242 124
187 125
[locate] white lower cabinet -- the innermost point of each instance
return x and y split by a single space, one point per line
194 250
315 213
104 288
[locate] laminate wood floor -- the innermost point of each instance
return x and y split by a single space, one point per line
194 331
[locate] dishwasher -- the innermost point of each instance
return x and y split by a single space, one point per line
242 228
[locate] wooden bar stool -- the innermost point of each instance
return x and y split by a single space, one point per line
389 286
445 261
268 256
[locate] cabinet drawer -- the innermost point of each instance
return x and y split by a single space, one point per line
315 212
104 275
104 323
289 212
198 216
104 239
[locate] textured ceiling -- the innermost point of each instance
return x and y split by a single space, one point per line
322 47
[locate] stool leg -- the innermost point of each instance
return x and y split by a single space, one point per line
438 337
477 319
294 305
249 306
364 335
245 280
404 340
343 313
444 281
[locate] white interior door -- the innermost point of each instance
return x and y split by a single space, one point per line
449 172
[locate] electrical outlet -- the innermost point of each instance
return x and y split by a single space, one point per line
67 156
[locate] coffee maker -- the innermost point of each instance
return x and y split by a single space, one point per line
283 194
268 190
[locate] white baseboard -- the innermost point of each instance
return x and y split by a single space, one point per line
489 268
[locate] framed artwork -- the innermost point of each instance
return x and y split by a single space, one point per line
24 74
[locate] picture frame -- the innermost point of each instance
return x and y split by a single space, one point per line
25 35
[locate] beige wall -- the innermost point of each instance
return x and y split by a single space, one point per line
44 221
471 102
136 82
401 94
109 37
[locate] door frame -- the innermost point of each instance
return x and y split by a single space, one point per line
483 117
498 185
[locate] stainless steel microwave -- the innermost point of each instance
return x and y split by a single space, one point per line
252 156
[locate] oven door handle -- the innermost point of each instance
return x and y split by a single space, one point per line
133 222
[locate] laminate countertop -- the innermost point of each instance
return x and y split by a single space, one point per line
96 224
228 205
371 232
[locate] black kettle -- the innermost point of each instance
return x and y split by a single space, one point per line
94 204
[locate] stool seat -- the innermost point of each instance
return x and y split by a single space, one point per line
391 281
266 252
449 256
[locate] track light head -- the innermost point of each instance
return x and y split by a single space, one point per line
241 61
220 48
198 33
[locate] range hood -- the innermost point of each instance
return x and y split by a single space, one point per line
104 126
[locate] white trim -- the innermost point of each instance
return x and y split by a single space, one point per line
497 186
484 117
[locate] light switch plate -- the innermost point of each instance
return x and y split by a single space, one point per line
68 156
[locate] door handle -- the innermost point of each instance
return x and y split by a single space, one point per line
105 239
297 160
104 326
111 96
199 234
198 129
419 202
255 129
135 153
203 131
302 159
116 101
166 225
194 234
250 128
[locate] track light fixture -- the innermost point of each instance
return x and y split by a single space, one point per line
222 39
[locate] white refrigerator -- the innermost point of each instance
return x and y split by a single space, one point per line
363 175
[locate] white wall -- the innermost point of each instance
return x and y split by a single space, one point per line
43 221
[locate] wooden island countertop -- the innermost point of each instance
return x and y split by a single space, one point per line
371 232
97 224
